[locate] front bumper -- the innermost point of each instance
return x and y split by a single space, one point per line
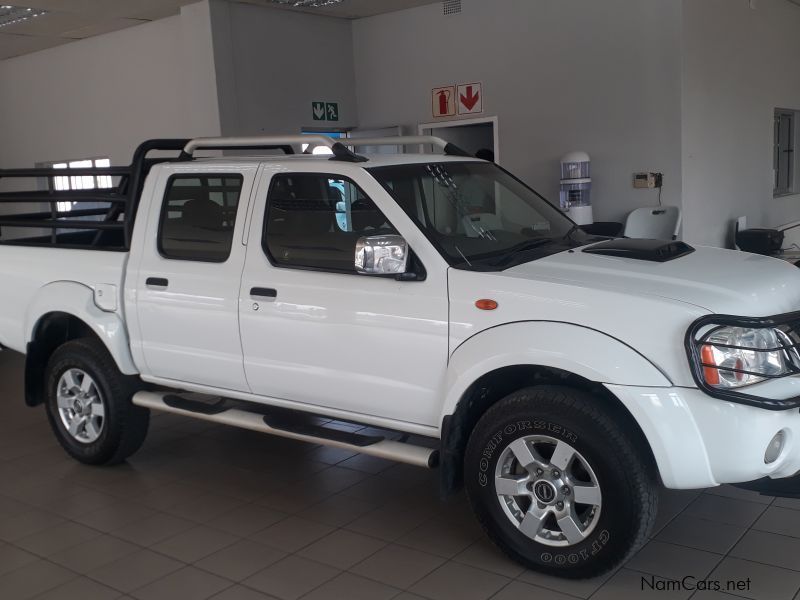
699 441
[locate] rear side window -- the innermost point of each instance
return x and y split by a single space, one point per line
314 221
198 216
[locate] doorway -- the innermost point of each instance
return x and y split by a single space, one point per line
470 135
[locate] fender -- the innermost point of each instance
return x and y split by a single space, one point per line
77 300
576 349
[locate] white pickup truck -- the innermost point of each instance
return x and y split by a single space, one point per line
561 378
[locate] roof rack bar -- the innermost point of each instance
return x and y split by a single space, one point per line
409 140
254 142
340 152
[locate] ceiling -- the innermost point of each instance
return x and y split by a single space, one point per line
70 20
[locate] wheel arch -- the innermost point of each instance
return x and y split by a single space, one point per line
495 385
64 311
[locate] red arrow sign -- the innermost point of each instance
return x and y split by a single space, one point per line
471 99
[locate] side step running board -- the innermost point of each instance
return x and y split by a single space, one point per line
305 432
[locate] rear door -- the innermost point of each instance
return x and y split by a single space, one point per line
188 275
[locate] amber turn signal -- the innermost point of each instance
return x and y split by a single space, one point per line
485 304
711 373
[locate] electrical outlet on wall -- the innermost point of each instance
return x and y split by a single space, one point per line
648 180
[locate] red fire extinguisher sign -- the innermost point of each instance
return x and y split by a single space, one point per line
443 101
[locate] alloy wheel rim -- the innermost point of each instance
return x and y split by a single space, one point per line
548 490
80 406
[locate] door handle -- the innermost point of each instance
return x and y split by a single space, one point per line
259 292
157 282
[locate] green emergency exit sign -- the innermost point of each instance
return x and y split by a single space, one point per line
325 111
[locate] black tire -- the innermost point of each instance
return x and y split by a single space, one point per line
124 426
626 513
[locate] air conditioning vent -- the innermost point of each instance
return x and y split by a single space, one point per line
451 7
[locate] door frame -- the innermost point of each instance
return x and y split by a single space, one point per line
460 122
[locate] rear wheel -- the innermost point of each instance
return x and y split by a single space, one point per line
89 404
557 483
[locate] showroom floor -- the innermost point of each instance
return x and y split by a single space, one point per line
205 511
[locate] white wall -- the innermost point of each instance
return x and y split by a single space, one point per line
740 64
561 75
103 95
272 64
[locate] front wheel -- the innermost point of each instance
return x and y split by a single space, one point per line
89 404
557 484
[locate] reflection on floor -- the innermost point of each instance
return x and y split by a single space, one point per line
206 511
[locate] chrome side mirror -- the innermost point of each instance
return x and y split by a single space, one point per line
381 255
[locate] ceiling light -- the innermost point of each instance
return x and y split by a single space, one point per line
307 3
11 15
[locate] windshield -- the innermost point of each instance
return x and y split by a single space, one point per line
477 215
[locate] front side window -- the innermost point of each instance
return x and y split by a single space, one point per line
198 217
477 215
314 221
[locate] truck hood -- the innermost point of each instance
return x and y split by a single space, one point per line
719 281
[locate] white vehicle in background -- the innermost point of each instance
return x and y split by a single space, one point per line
561 378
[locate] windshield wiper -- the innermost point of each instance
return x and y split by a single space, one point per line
512 252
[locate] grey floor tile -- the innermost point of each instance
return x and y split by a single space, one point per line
765 582
194 544
21 525
205 507
115 516
671 503
187 584
730 491
170 495
342 549
56 539
12 558
793 503
580 588
352 587
769 548
135 570
77 505
81 588
95 553
240 560
630 585
291 577
33 579
671 561
398 566
701 534
10 507
485 555
239 592
388 522
292 534
335 479
725 510
455 581
517 590
338 510
153 529
441 537
247 519
781 520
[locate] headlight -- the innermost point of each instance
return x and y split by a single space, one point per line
732 357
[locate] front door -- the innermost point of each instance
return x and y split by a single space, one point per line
313 330
187 282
